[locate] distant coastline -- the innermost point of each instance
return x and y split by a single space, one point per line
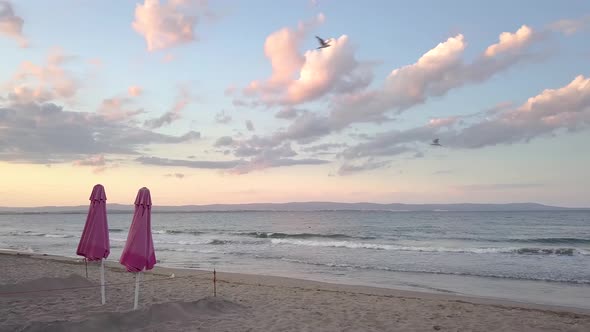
299 207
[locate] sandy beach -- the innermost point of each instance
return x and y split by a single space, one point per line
185 302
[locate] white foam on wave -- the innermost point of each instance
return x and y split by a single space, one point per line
63 236
377 246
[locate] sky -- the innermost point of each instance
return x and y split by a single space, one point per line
210 102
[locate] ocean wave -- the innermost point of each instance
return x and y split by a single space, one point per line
27 233
200 242
278 235
219 242
63 236
31 233
389 269
552 240
116 230
542 240
376 246
175 232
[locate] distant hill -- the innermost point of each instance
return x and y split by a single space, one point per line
299 206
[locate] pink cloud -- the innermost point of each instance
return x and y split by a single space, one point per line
11 25
168 24
135 91
116 109
510 41
44 82
282 49
298 78
97 162
442 122
552 102
547 113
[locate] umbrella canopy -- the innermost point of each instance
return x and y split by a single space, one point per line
139 253
94 243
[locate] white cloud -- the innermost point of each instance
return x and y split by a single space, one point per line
553 110
511 41
298 78
40 83
118 109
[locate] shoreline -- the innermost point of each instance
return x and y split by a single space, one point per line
43 292
271 280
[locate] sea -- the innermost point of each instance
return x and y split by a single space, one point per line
532 257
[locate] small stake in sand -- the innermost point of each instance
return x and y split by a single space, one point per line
214 283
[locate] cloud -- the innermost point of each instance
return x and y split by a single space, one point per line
224 141
175 175
135 91
116 109
510 41
553 110
498 186
11 25
570 26
348 168
46 133
323 147
434 74
297 78
222 118
169 24
41 83
231 166
183 99
287 113
259 163
221 164
98 163
443 122
96 160
249 125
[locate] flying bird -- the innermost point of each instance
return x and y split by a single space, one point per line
435 142
323 43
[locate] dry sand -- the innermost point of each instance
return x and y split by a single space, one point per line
243 303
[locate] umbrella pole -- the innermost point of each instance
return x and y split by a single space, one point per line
102 281
136 290
86 264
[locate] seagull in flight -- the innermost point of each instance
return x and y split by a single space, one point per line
435 142
323 43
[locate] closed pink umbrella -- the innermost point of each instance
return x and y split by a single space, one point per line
139 254
94 242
